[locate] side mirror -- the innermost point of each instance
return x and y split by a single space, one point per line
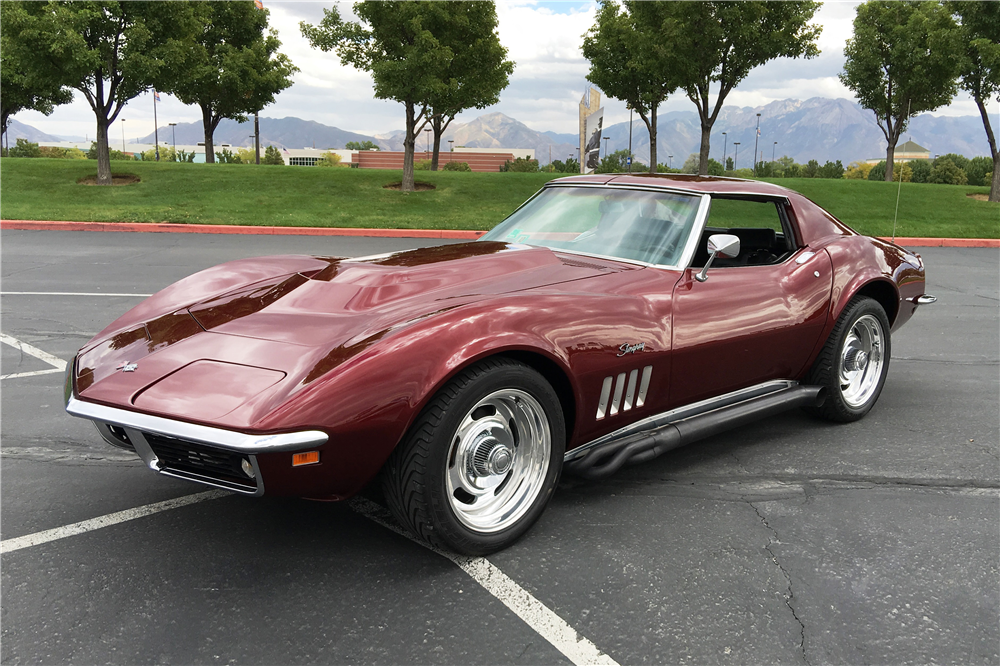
725 245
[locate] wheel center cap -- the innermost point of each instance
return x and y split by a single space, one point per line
491 458
855 359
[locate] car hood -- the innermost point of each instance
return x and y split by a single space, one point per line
299 326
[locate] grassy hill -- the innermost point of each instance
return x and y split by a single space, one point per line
47 189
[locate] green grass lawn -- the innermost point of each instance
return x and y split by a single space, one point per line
46 189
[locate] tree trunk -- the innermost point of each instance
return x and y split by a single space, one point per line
408 142
103 156
438 131
994 187
206 121
706 137
652 138
889 152
994 152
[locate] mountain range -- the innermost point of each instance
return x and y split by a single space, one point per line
818 128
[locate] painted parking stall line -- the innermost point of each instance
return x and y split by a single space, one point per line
29 540
69 293
543 620
58 365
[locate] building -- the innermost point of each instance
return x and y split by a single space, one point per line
905 153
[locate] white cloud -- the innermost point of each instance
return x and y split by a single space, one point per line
542 38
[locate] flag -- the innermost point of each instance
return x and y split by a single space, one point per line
258 4
758 131
286 150
156 96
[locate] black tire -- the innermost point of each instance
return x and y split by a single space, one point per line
846 400
435 452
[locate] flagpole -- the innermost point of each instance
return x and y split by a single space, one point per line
156 128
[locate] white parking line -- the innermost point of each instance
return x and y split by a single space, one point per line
58 365
65 293
534 613
17 543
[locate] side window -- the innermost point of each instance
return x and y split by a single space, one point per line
759 226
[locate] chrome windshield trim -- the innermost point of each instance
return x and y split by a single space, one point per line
217 437
687 411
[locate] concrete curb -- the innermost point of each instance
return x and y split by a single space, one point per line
167 228
163 228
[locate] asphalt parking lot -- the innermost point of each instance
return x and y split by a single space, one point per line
790 541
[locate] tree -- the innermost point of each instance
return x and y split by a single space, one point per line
720 43
616 162
901 61
627 61
361 145
395 42
25 148
272 156
691 164
921 170
21 85
109 51
729 164
947 172
811 169
478 70
979 66
233 67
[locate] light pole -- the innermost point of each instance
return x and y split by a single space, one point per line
630 139
670 161
427 143
756 136
173 138
725 145
772 150
605 145
123 135
737 158
451 145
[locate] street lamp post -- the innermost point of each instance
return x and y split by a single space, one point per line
755 137
772 150
605 145
630 139
670 161
725 145
123 135
737 158
427 143
173 138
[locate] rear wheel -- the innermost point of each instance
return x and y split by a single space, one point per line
854 362
481 462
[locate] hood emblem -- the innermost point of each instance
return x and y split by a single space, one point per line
128 367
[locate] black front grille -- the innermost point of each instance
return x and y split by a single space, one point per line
183 456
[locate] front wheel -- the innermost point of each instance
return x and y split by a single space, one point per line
853 364
479 466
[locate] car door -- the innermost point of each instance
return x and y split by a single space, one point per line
758 316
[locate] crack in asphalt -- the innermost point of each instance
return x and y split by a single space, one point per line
788 579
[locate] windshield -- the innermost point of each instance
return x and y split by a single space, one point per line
651 227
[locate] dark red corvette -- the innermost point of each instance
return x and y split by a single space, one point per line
607 320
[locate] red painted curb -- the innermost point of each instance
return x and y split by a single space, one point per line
164 227
156 227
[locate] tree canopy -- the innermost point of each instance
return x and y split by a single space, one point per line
233 67
109 51
627 63
901 61
979 66
478 70
22 86
722 42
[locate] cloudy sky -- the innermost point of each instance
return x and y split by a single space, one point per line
543 39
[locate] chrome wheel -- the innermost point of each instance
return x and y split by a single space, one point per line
861 360
498 460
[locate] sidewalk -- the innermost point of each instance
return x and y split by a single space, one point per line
155 227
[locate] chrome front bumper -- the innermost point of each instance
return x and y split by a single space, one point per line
212 456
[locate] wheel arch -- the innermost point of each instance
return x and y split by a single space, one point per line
883 292
555 376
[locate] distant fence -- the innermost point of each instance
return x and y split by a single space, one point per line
379 159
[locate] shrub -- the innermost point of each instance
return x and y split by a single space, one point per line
520 165
616 162
811 170
977 170
272 156
166 155
858 171
424 165
112 153
921 170
330 159
877 172
742 173
691 163
961 161
225 156
184 156
714 167
25 148
361 145
947 172
663 168
458 166
831 170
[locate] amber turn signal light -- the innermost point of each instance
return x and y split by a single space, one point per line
307 458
